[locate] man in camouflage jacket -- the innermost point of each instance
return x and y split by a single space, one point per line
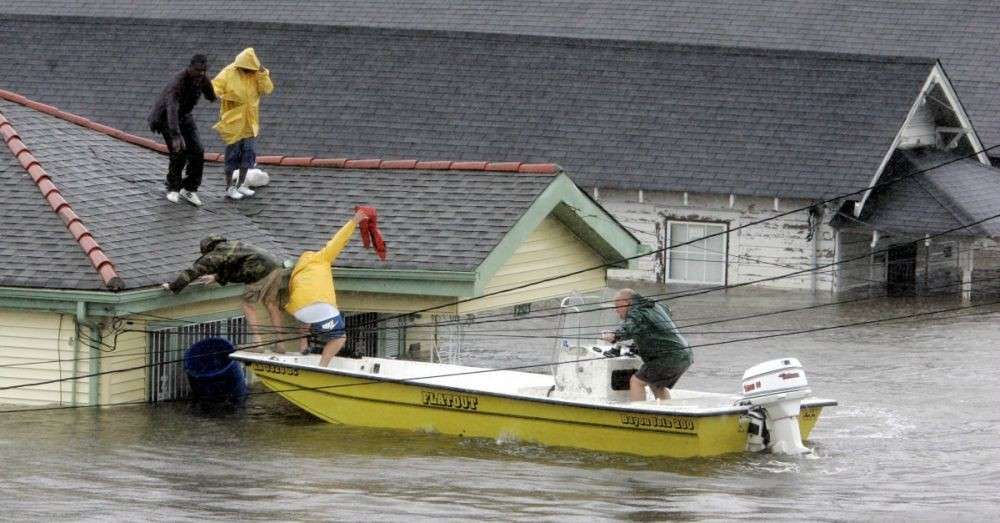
665 353
223 261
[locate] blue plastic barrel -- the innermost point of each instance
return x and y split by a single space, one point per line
214 378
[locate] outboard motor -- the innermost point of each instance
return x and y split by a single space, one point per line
774 390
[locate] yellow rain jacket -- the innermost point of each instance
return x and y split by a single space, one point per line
312 277
239 92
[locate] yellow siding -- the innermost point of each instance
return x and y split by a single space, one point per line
551 250
130 351
391 303
35 342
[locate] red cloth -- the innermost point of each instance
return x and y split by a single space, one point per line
370 235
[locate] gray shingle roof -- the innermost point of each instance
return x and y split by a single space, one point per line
36 249
432 220
936 200
962 34
618 114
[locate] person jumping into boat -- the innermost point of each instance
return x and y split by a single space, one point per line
312 299
665 353
223 261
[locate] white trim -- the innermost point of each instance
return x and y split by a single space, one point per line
777 202
685 198
732 200
667 238
640 196
936 77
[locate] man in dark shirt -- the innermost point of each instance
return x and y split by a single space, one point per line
171 117
665 353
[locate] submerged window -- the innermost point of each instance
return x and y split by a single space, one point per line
701 261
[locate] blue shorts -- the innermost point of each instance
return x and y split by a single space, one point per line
330 329
241 155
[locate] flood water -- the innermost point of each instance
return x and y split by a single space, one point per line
916 437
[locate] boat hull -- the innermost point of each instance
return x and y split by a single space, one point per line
357 400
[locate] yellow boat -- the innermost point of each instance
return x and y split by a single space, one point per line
582 404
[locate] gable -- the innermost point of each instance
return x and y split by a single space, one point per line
551 250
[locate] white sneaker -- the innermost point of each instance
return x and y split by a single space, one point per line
246 191
173 196
234 194
191 196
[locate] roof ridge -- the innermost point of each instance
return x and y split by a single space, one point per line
84 238
295 161
621 41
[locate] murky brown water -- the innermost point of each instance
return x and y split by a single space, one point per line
917 437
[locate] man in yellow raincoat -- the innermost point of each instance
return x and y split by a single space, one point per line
239 86
312 299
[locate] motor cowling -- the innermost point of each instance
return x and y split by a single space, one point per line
774 390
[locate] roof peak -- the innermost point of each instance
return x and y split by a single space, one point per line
292 161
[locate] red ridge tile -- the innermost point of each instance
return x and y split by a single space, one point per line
301 161
397 164
7 131
538 168
509 167
434 165
328 162
37 173
88 243
16 146
79 230
46 186
27 159
363 164
468 166
269 160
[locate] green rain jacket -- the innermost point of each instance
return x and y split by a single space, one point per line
655 335
229 261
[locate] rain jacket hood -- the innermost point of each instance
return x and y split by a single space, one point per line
239 87
247 59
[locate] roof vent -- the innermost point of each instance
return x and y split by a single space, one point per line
920 130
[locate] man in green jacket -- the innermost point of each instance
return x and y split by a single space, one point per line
665 353
223 261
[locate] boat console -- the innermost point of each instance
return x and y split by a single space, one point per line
595 372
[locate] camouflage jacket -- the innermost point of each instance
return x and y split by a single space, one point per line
656 337
230 262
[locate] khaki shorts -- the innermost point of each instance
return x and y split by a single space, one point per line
272 288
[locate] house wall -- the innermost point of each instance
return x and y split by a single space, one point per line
35 341
939 265
550 250
773 248
126 366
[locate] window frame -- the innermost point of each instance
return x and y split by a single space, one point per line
668 236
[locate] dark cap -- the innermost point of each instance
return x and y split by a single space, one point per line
209 242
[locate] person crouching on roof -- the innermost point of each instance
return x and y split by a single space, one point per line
240 86
312 299
223 261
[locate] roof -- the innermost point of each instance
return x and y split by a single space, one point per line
614 113
436 216
946 193
961 34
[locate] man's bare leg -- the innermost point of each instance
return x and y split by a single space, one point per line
250 311
637 390
331 349
278 324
